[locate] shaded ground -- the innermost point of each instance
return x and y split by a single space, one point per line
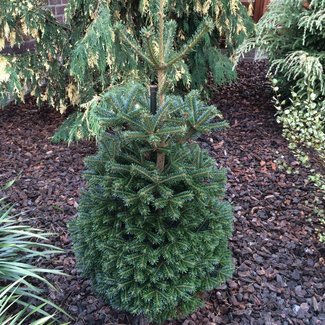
280 266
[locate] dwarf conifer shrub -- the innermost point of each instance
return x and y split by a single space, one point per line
152 240
152 231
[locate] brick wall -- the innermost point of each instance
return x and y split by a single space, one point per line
57 7
259 6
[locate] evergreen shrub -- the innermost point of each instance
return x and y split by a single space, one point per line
151 241
152 231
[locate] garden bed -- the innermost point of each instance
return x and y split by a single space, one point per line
280 264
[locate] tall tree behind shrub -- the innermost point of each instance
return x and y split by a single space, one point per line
76 61
102 56
292 34
153 229
230 18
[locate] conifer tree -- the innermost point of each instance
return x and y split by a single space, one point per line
76 61
100 58
152 231
230 19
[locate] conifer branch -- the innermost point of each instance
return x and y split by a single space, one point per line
152 55
187 136
138 50
205 27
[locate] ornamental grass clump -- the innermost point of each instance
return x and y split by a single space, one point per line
152 231
21 298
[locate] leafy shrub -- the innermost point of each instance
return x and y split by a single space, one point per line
292 35
21 301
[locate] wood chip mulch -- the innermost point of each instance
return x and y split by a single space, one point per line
280 264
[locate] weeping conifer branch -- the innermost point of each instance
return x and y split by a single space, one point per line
205 27
82 58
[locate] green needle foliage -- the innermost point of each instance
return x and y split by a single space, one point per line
292 34
76 61
152 240
105 32
152 231
108 51
21 20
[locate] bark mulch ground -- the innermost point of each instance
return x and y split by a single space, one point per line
280 264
